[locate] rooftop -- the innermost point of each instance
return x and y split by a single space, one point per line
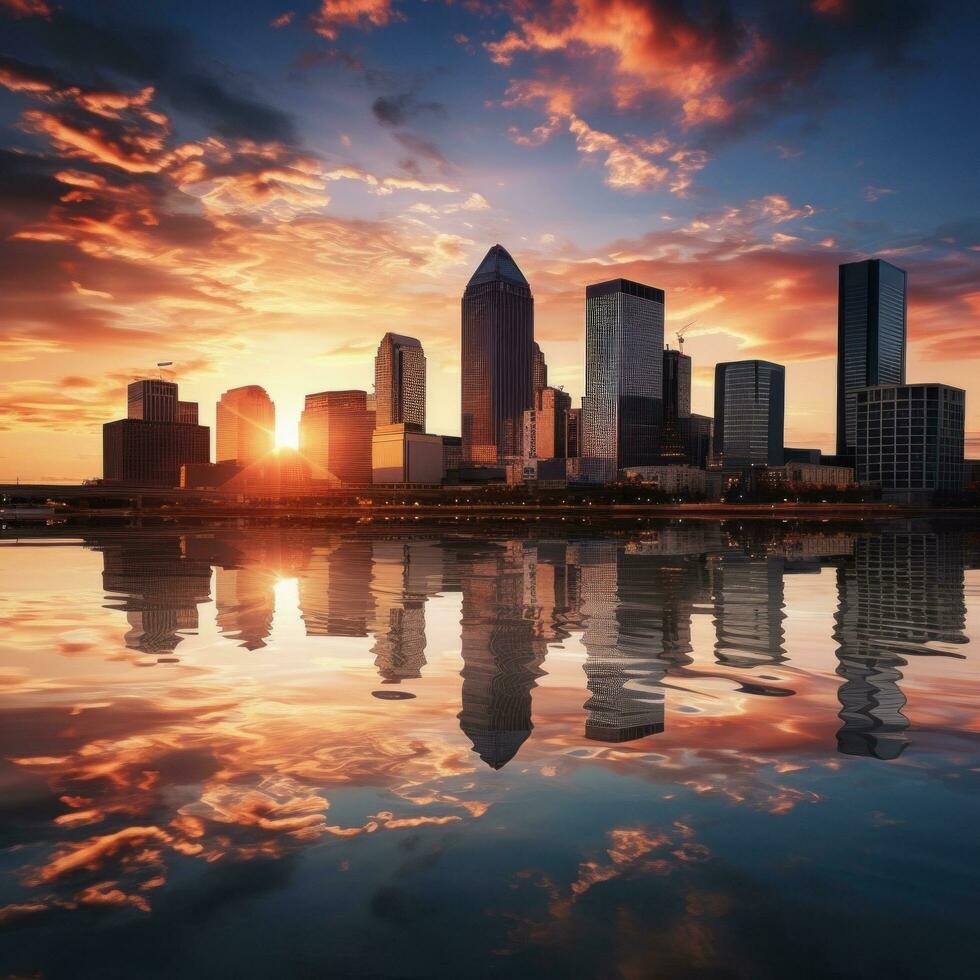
497 264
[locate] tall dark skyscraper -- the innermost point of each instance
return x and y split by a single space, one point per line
624 340
871 327
677 384
497 359
750 401
399 381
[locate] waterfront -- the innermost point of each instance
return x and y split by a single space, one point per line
703 748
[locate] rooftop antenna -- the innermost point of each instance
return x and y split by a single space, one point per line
680 334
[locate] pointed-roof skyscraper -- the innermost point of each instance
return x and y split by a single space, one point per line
497 359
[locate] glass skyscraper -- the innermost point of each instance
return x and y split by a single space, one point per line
622 407
399 381
335 436
871 326
246 425
497 359
750 398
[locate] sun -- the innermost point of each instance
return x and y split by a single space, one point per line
287 436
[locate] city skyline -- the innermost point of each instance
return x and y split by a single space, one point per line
283 200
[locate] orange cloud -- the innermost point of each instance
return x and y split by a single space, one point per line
652 48
334 15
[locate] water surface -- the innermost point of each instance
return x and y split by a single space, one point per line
699 749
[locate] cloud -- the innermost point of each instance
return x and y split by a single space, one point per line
167 60
872 193
26 8
334 15
708 64
395 110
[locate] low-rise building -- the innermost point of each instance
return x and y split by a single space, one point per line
817 475
680 480
405 453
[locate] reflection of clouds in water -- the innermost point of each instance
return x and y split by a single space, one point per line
235 754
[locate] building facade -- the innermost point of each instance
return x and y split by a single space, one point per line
750 401
676 384
871 337
623 403
335 436
152 400
546 424
159 435
573 433
150 453
246 424
497 359
801 474
539 368
404 453
399 381
910 439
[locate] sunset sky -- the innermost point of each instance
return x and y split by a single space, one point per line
258 191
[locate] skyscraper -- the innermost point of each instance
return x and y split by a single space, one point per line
539 368
624 338
399 381
497 359
149 447
684 437
152 400
246 425
677 384
871 327
749 413
335 432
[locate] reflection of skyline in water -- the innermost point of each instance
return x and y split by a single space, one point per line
629 601
531 732
902 592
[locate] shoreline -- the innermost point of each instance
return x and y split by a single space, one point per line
508 512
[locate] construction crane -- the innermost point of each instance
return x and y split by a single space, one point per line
680 334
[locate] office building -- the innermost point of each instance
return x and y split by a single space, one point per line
749 413
539 369
152 400
151 453
910 440
497 359
686 481
404 453
335 432
802 474
149 447
452 453
676 384
871 337
399 381
545 425
573 433
622 407
246 425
